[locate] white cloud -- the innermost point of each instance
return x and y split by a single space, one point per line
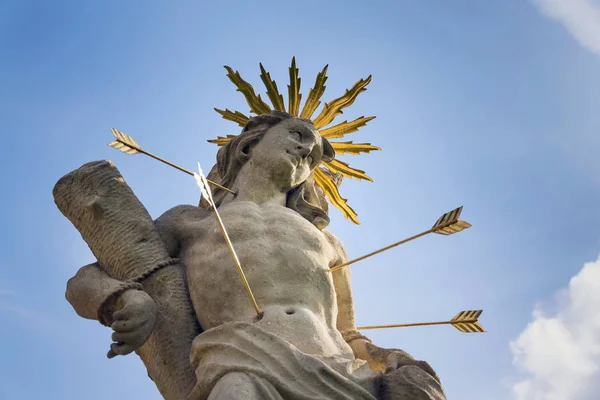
559 354
580 17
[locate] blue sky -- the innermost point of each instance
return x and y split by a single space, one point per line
490 105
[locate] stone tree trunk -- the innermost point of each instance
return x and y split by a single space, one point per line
122 236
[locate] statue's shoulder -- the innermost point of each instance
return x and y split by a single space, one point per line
174 225
181 213
336 243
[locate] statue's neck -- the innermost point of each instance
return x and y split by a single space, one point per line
256 186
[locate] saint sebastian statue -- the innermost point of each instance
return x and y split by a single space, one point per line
185 310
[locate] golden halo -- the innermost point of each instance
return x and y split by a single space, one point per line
325 174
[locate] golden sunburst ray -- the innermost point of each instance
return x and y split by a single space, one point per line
294 89
330 189
333 109
221 140
257 105
344 128
234 116
353 148
346 170
328 175
272 91
314 95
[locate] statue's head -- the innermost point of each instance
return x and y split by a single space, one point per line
287 149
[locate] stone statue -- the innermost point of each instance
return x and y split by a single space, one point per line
305 345
170 290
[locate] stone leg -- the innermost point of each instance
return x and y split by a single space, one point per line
242 386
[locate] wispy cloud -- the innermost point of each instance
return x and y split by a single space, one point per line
580 17
559 354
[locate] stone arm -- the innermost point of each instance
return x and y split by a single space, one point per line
157 322
346 323
89 288
92 286
379 359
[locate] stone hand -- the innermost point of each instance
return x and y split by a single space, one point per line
393 359
133 322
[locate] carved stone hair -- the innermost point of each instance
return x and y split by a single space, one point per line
306 199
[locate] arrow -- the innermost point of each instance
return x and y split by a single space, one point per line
129 145
464 321
447 224
207 195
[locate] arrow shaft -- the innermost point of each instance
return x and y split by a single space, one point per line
391 246
207 193
415 324
162 160
403 325
236 260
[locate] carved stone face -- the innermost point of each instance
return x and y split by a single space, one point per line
288 152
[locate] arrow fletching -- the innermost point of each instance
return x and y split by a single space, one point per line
466 321
124 143
203 185
448 223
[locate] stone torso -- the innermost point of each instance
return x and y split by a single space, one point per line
286 261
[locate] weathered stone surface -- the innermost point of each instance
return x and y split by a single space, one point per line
304 344
121 234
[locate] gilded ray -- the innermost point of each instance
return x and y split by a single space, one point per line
334 108
234 116
332 193
294 89
344 128
257 105
346 170
272 91
221 140
314 95
353 148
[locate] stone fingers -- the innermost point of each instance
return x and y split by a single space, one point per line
132 338
120 349
123 326
128 335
